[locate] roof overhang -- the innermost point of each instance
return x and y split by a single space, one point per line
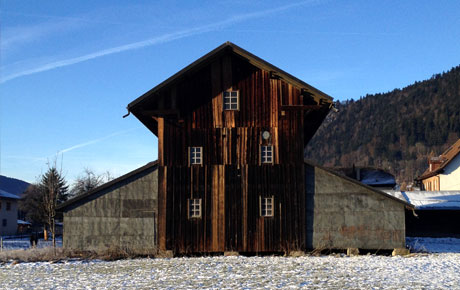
323 100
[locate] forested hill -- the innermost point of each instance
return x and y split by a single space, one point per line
395 131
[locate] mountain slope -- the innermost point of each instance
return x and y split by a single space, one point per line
13 185
395 131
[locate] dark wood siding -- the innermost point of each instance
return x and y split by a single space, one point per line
231 180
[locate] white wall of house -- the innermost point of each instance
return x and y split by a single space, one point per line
450 178
8 216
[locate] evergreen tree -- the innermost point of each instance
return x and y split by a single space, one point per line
54 189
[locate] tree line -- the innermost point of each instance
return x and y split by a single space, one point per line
395 131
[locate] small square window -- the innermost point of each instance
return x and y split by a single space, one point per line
231 100
266 154
194 208
8 205
266 206
195 154
4 222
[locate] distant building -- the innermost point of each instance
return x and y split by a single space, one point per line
370 176
436 213
24 226
443 172
8 213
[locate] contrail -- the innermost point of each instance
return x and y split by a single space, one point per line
93 141
156 40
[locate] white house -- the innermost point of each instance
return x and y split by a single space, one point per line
443 172
8 213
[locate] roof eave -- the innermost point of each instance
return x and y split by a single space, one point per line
253 59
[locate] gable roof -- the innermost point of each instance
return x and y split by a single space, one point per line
144 106
88 195
445 158
380 192
7 195
254 60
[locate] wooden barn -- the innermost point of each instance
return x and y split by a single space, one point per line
230 175
231 131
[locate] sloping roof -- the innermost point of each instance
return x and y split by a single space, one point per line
4 194
21 222
254 60
384 193
445 158
430 200
65 205
377 178
368 175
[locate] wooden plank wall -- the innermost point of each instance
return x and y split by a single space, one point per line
231 178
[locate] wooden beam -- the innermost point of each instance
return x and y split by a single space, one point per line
300 107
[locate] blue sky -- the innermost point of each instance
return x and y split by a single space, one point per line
69 68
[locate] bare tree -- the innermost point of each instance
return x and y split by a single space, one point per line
89 180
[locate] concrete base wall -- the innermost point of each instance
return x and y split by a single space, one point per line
345 214
123 215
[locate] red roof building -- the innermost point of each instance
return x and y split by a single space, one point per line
443 172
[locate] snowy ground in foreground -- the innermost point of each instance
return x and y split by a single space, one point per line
18 244
434 245
422 271
429 245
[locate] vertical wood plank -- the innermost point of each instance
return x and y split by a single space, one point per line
221 209
244 181
162 181
215 208
216 84
161 140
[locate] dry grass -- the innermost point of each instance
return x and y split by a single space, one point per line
51 254
33 255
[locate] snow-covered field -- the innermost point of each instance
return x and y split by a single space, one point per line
434 245
417 271
423 271
16 244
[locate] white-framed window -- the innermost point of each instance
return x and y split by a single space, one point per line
266 154
8 205
196 155
194 208
231 100
266 206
